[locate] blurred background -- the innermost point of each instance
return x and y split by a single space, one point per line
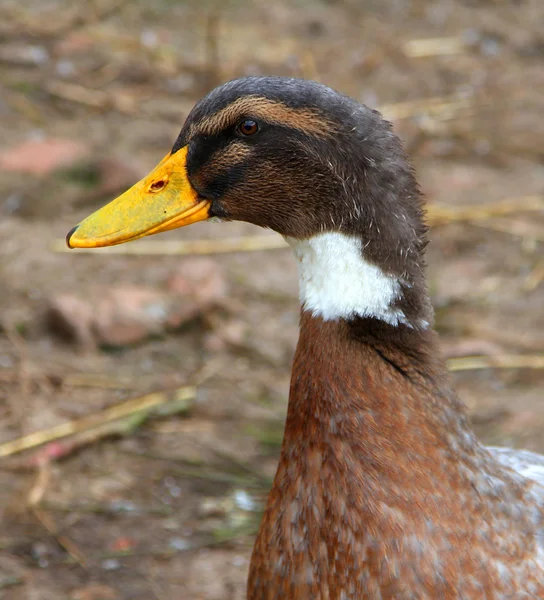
142 395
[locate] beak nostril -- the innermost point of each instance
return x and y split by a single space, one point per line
157 186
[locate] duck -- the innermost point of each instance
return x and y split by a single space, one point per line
382 491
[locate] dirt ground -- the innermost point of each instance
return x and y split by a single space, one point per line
167 508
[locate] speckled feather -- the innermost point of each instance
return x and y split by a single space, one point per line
383 493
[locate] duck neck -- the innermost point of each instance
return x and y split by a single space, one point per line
374 388
342 277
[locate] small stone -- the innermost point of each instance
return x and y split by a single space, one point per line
243 500
179 544
111 564
71 318
126 315
42 156
149 38
65 67
6 361
129 314
238 560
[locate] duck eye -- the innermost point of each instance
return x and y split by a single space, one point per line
248 127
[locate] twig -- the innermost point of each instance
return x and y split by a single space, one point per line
39 488
436 107
229 478
194 471
78 17
121 427
8 582
535 277
530 341
79 94
444 46
470 363
513 227
89 97
99 380
208 370
170 552
92 380
34 498
23 378
440 215
108 509
60 449
22 104
49 525
241 465
129 408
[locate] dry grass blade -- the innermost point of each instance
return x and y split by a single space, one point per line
129 408
49 525
308 66
91 98
91 380
7 582
441 215
35 496
535 277
121 427
99 380
436 107
444 46
23 377
522 229
72 18
23 105
179 247
79 94
471 363
37 492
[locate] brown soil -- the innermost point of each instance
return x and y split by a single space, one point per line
162 512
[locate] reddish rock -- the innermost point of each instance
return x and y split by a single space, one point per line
126 315
71 318
40 157
122 544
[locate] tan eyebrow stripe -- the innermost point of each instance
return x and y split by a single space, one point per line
257 107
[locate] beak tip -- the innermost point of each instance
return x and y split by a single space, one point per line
69 235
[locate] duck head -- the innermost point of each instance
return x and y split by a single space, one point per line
315 166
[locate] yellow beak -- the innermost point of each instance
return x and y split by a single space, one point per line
161 201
